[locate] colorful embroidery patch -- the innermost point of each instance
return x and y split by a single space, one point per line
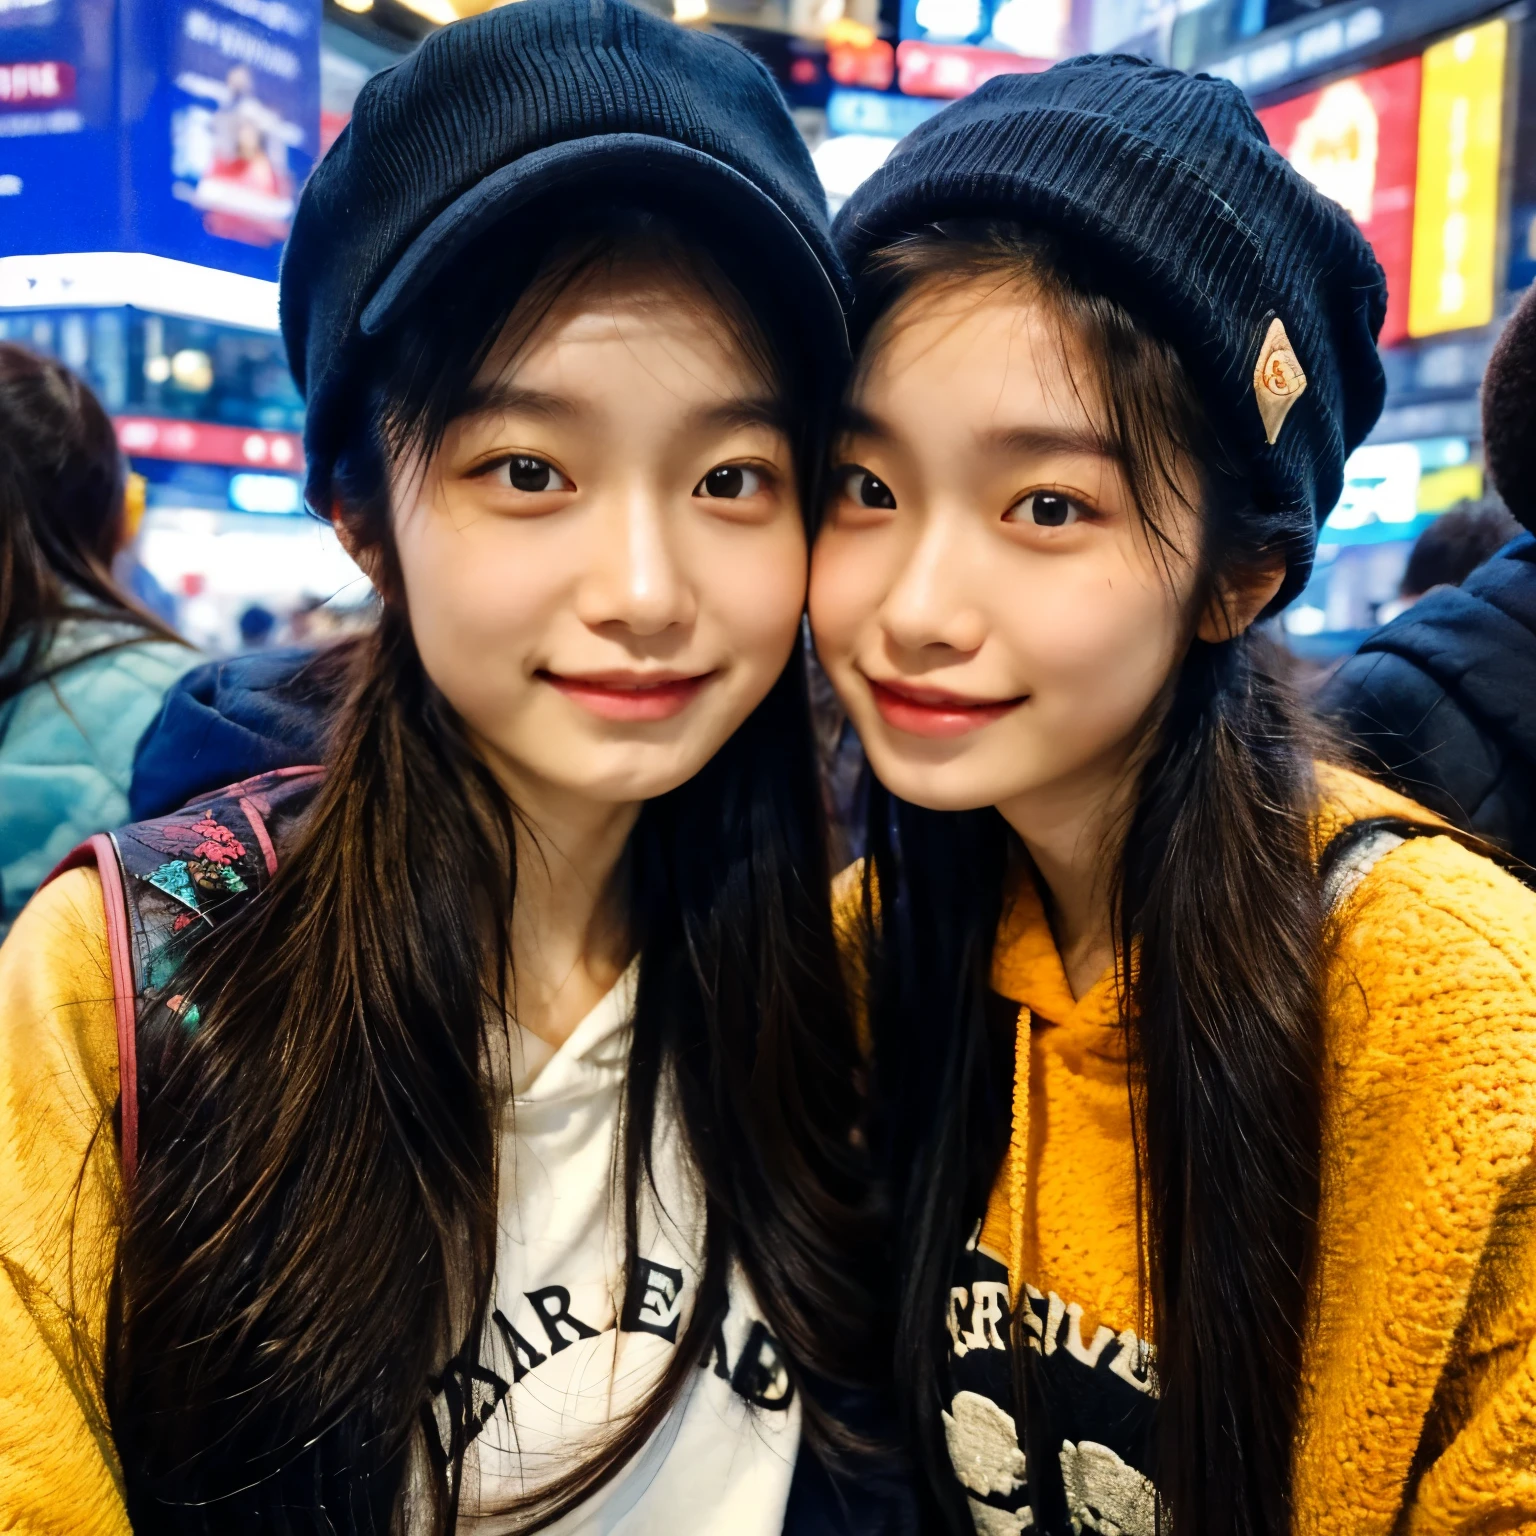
175 879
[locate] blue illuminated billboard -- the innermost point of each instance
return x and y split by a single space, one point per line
181 128
1035 28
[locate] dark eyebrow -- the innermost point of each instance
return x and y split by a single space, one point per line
1043 442
746 412
852 422
499 395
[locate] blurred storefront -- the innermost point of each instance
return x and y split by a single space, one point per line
150 156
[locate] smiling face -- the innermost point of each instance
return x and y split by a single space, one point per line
992 609
604 561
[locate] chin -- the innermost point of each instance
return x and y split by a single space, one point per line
632 782
935 787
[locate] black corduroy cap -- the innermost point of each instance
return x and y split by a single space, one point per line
1164 186
521 110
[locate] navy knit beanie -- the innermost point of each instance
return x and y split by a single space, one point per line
1166 189
498 122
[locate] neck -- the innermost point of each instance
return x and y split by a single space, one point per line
570 926
1069 828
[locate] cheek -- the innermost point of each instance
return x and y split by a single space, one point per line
1098 650
847 586
754 595
479 590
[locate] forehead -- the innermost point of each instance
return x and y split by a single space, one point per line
620 321
985 348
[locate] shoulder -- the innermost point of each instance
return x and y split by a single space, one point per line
1370 682
1436 961
144 668
58 1027
1345 797
93 712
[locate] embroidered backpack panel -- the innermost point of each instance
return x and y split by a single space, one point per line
185 873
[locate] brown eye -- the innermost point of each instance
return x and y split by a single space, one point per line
863 488
730 482
1045 509
526 473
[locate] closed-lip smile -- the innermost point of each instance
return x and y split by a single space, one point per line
630 695
937 712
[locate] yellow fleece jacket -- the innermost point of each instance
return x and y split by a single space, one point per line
59 1215
1419 1407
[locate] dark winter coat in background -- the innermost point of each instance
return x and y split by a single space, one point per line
1441 702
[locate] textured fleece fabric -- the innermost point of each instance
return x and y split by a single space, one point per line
67 744
1441 702
1419 1406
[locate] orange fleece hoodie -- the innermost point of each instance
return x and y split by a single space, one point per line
1419 1389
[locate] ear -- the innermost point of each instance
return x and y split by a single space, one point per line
1242 598
366 555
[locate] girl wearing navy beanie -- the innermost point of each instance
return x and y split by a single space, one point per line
459 1135
1204 1073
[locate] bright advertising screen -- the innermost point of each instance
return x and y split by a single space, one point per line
1413 152
1357 140
178 128
1460 139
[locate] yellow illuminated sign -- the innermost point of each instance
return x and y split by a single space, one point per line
1455 225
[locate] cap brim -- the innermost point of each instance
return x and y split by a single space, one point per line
744 224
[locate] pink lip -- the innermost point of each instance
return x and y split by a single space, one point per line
631 696
935 712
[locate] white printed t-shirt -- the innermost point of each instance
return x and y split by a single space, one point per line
567 1350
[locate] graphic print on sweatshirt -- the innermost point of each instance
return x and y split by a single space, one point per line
472 1391
570 1349
1096 1399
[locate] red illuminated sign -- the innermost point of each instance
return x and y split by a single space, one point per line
201 442
45 83
952 69
872 66
1358 141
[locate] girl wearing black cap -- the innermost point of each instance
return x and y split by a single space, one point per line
1205 1075
461 1136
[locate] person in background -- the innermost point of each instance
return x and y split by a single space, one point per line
130 572
1454 545
257 626
83 666
1441 702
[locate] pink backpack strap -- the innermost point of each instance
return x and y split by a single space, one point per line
166 882
102 852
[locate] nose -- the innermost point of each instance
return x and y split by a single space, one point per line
932 602
635 581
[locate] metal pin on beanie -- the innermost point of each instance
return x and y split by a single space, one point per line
1278 379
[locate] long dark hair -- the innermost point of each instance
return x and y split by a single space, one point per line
62 480
311 1237
1220 940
